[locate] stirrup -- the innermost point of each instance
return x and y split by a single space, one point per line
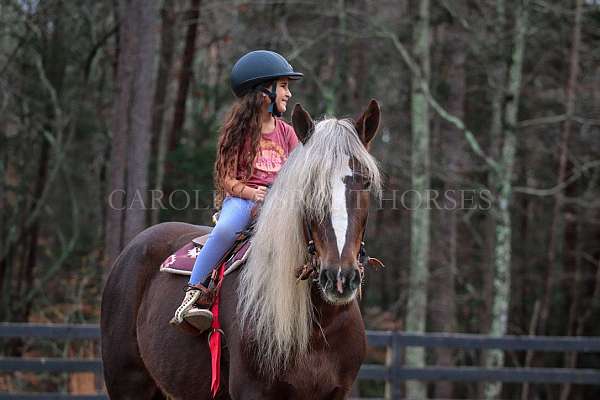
199 318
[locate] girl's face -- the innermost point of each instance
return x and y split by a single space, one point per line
283 94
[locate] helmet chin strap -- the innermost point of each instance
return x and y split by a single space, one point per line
273 109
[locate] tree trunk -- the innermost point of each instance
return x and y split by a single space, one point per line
24 264
53 67
443 293
596 94
420 175
503 234
529 312
498 80
115 211
569 210
339 87
140 130
132 116
185 75
559 226
159 145
575 293
499 83
3 209
33 235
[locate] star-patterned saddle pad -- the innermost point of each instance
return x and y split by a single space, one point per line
182 261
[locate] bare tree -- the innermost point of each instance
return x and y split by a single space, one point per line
570 211
416 309
185 73
561 225
503 185
159 135
131 125
443 272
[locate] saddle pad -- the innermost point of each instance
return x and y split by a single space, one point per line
182 261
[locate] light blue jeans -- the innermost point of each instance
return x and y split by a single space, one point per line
234 217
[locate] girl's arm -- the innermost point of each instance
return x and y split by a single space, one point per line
237 188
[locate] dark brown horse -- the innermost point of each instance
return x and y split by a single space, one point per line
284 338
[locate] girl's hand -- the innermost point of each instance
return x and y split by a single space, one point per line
259 194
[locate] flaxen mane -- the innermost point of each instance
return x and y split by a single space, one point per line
275 308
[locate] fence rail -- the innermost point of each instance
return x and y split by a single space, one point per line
51 396
392 372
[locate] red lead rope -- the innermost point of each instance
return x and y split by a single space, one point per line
214 339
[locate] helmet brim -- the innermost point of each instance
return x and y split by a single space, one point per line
249 84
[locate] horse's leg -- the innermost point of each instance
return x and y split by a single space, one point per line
180 362
243 383
324 375
125 375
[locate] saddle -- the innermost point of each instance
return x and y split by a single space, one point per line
182 261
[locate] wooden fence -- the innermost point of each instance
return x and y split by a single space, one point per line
392 372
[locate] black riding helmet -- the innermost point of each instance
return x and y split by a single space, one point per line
258 67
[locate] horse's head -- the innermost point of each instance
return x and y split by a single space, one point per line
335 234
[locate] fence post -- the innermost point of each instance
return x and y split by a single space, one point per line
393 362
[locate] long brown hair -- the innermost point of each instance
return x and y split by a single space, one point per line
238 142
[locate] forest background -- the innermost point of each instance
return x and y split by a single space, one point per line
490 145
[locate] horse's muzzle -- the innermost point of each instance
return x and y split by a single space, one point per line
339 285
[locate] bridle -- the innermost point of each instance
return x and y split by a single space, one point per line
312 268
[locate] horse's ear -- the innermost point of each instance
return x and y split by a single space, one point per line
368 123
302 123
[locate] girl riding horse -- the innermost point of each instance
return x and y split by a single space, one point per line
253 145
285 338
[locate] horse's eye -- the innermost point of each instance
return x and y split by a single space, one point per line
362 180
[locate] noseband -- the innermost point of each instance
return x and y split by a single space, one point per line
312 268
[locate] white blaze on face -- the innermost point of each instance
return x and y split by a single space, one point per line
339 212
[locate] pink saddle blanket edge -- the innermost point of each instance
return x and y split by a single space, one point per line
182 261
